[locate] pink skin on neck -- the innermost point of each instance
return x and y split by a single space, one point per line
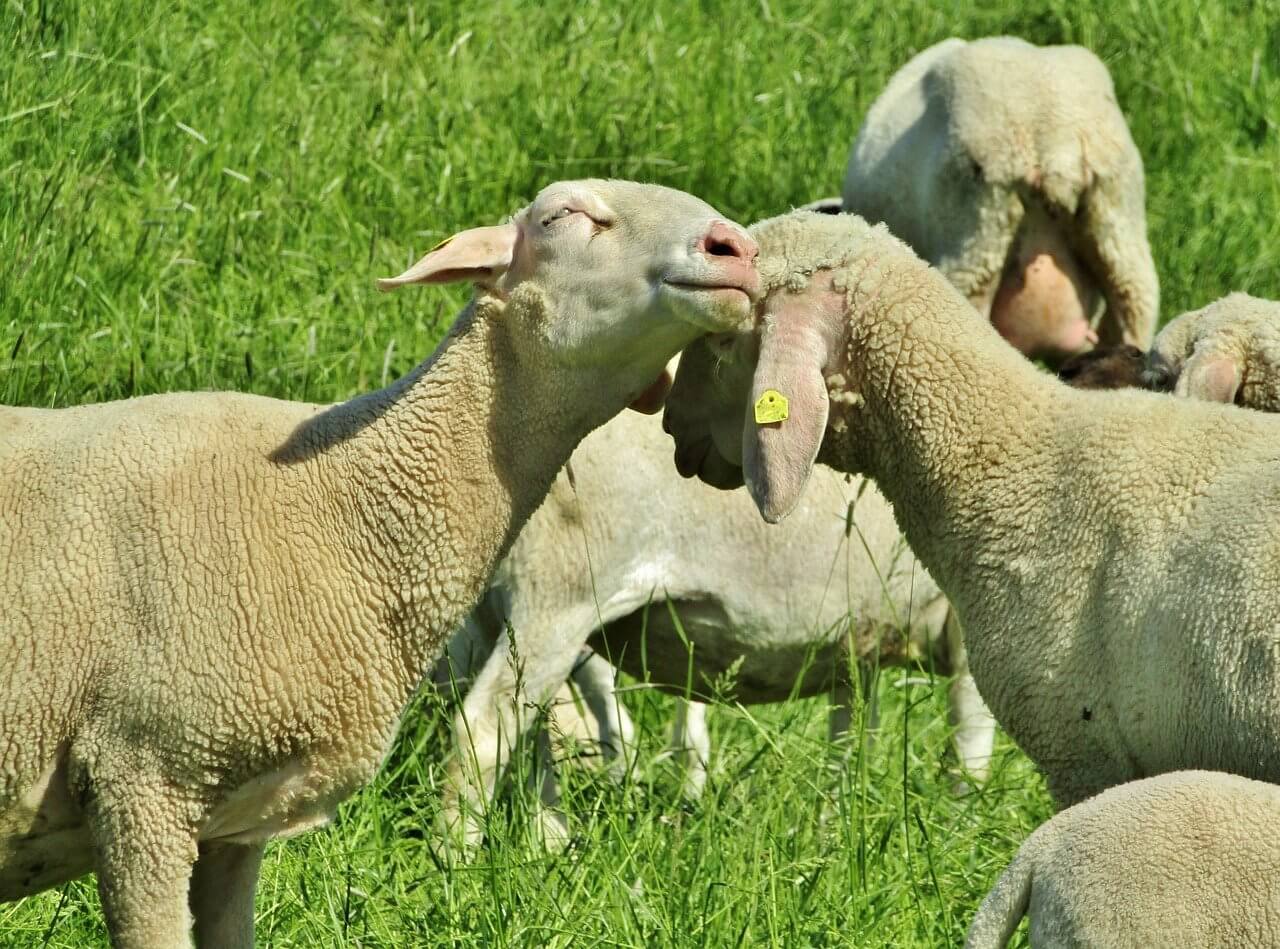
1045 298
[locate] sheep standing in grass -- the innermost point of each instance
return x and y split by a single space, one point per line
1228 351
1190 858
1112 556
764 613
1010 168
217 605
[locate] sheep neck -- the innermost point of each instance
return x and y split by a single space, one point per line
951 411
451 461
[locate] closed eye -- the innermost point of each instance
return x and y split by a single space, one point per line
556 215
559 214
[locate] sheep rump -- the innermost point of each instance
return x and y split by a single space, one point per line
1011 169
1189 858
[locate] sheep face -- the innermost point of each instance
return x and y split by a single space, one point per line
627 273
705 409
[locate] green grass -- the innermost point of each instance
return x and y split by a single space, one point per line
200 195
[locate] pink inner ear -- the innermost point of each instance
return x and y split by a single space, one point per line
481 255
1212 378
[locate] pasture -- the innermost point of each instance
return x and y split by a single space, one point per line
199 196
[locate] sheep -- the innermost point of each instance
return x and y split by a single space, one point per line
1109 554
1010 168
1228 351
1189 858
772 612
217 605
581 721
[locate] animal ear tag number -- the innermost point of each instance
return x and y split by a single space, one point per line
772 406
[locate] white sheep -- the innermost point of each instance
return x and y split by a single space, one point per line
1111 555
217 605
1190 858
623 548
1010 168
1228 351
579 720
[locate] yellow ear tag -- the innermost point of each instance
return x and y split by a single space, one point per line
442 243
771 407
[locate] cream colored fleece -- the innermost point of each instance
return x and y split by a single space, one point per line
1112 555
969 137
1190 858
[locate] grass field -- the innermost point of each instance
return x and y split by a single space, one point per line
200 195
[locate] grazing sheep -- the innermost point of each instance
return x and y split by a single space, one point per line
769 613
1228 351
1010 168
217 605
1111 555
1190 858
1107 367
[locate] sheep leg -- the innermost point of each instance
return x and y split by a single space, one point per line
691 742
498 709
974 726
222 887
144 853
594 678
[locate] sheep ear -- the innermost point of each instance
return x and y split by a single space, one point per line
1213 378
480 255
787 413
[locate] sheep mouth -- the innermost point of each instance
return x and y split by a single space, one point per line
723 290
707 285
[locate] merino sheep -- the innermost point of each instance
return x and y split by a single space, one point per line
217 605
1112 556
1190 858
1010 168
1228 351
769 613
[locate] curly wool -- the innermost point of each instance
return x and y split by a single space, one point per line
1190 858
1111 555
971 141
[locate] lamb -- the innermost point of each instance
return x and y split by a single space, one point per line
1228 351
774 612
1111 555
1010 168
217 605
1189 858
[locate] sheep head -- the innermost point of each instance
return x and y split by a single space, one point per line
627 273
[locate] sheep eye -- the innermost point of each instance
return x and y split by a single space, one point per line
556 215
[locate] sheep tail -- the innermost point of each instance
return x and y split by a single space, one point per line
1004 907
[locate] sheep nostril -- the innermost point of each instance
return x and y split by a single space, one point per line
724 241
